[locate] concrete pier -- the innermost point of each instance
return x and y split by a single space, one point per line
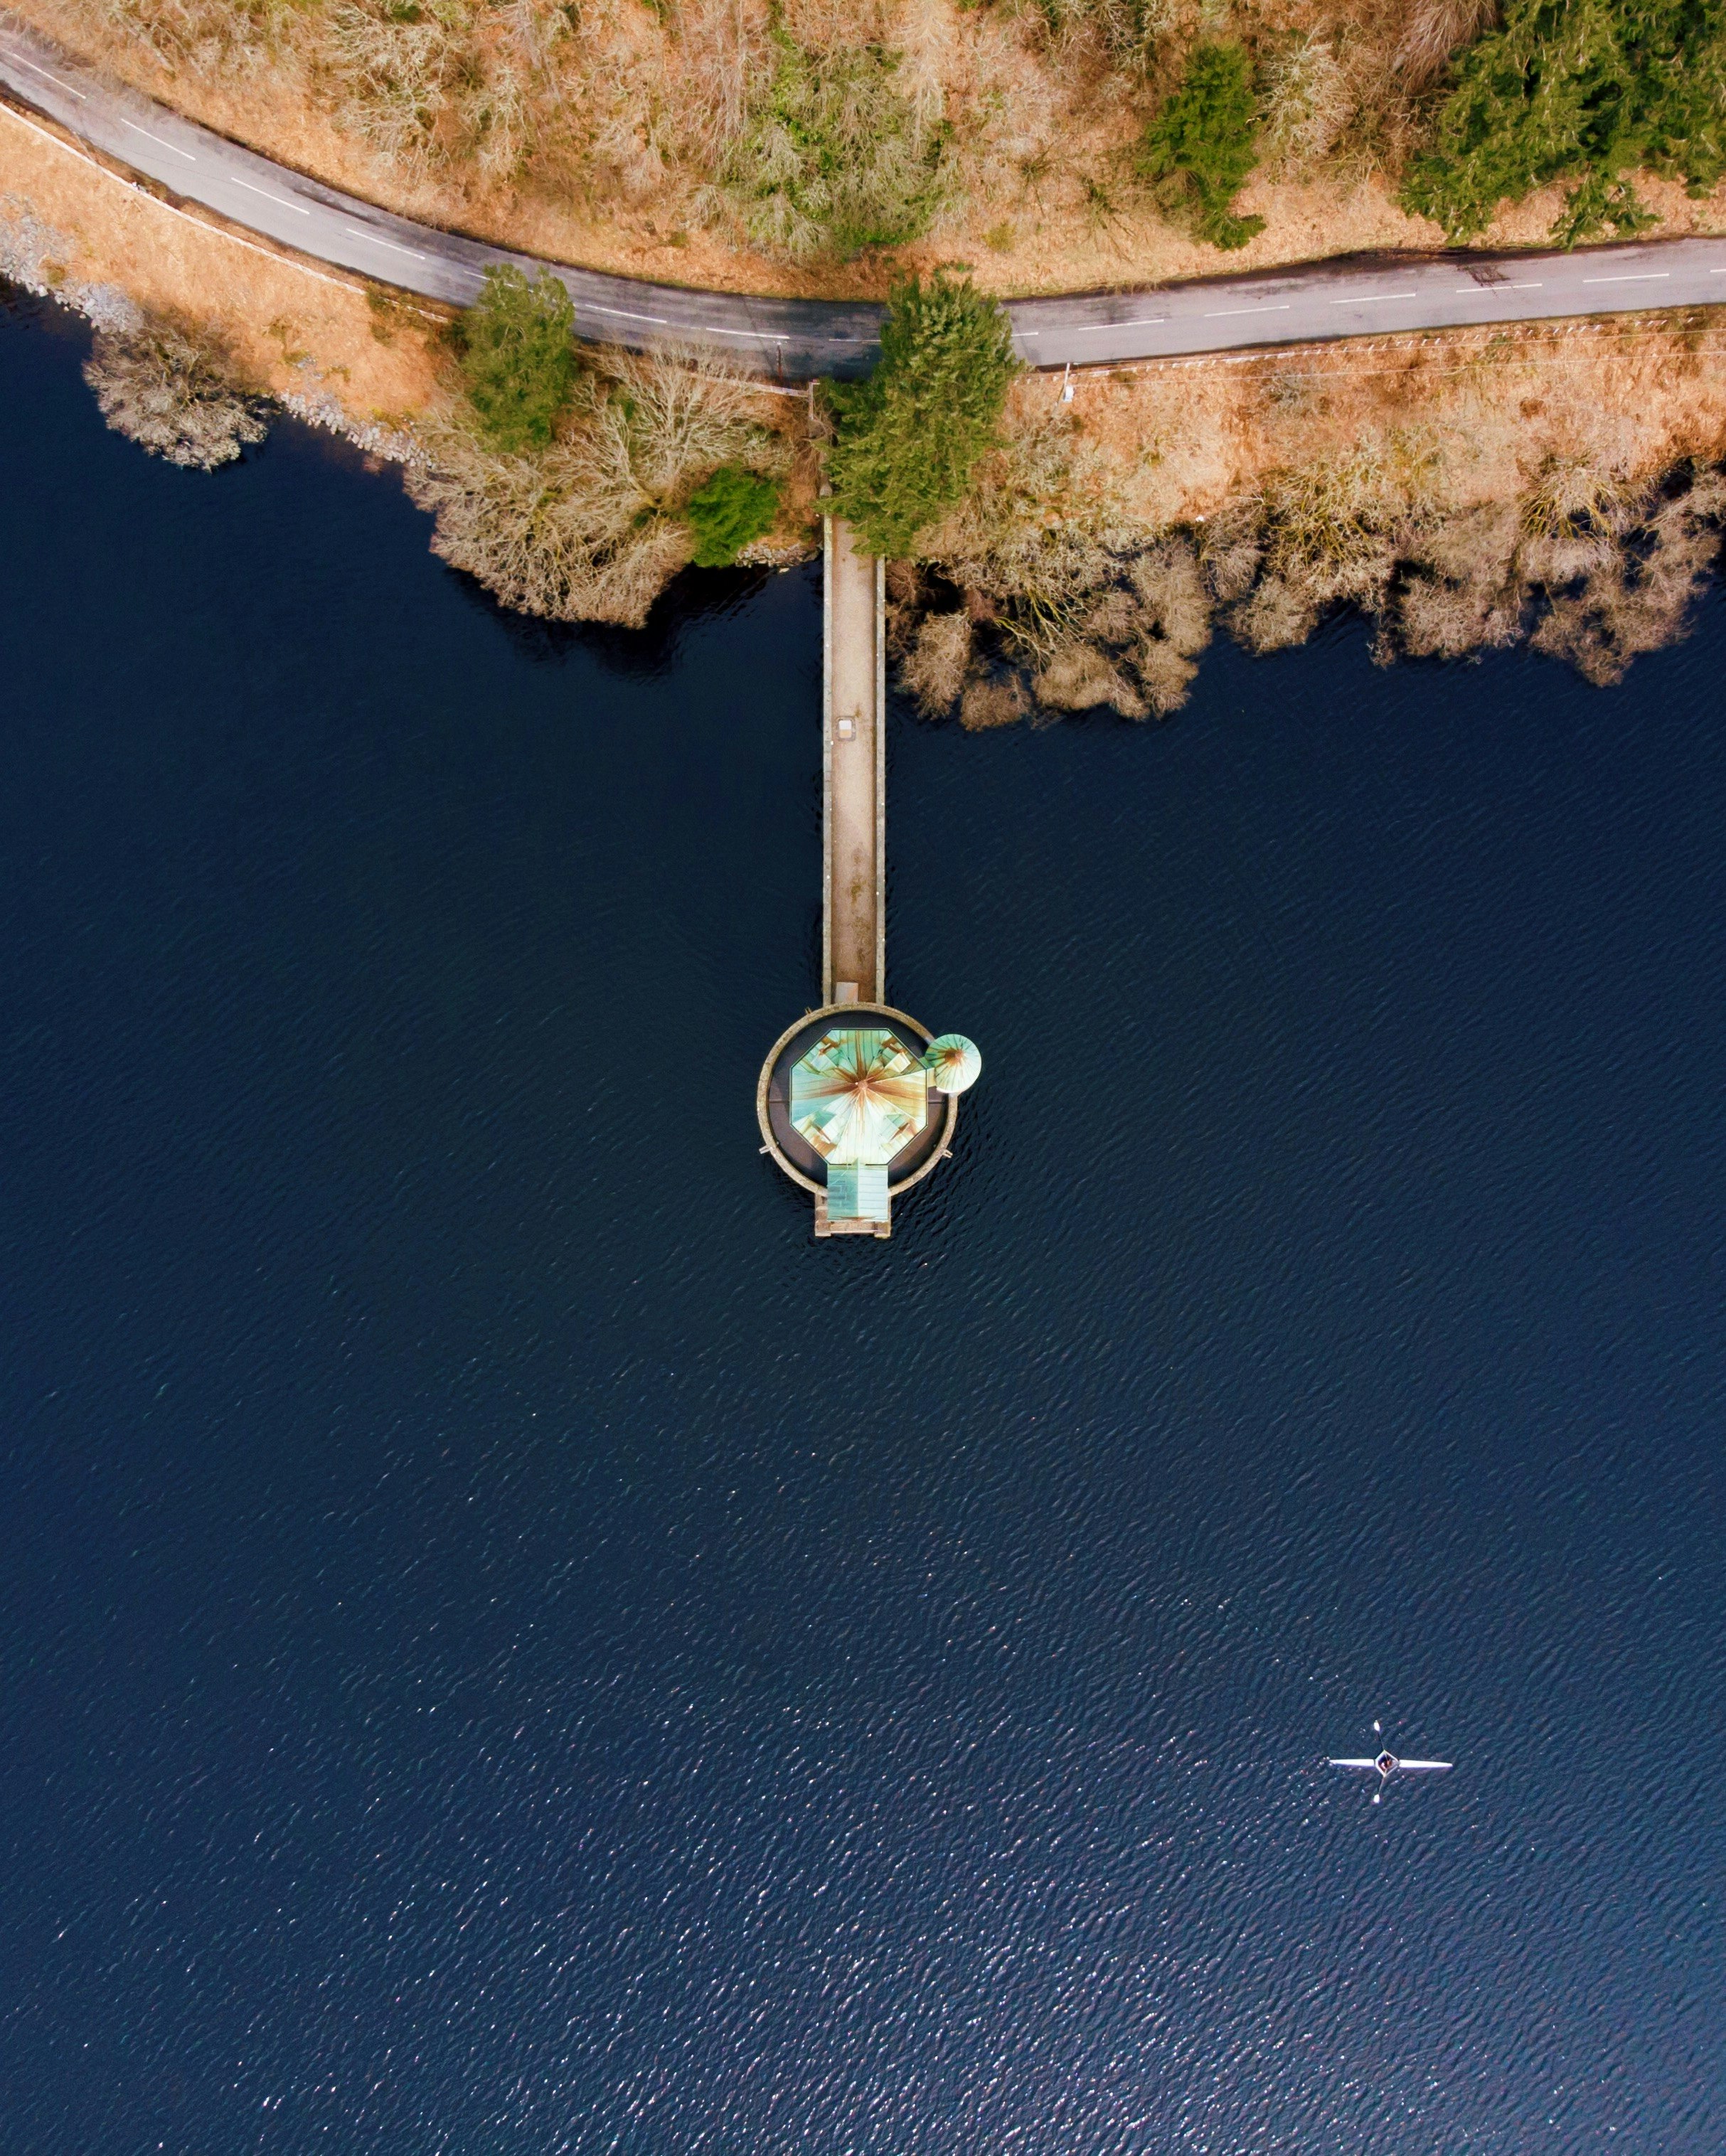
857 1101
854 683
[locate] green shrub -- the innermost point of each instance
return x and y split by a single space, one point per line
908 438
1202 145
735 506
516 357
1587 90
836 157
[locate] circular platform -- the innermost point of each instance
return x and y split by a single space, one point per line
772 1098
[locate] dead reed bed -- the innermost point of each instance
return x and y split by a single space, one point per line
1463 493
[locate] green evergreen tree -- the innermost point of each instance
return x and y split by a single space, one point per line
908 438
517 359
1587 90
1202 145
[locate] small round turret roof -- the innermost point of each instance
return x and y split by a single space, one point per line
954 1063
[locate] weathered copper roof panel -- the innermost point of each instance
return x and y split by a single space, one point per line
858 1096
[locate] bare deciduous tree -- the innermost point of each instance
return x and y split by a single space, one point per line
1436 28
173 394
934 668
590 529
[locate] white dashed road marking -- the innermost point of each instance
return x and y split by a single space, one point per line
390 244
281 201
34 69
157 141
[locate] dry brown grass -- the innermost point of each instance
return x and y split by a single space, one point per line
597 136
1436 28
175 266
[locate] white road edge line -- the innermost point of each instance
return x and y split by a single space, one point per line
1365 298
1488 291
1637 277
157 140
65 86
1217 313
156 202
281 200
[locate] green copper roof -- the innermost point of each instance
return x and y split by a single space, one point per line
952 1063
856 1193
858 1097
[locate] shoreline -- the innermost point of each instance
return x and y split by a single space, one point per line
1407 438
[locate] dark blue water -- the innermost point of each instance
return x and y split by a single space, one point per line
510 1647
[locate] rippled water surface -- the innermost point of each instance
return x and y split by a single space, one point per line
510 1647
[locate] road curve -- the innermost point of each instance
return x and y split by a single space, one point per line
796 340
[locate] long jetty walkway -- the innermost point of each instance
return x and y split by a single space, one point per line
857 1101
853 929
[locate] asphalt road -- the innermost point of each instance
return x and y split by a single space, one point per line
794 340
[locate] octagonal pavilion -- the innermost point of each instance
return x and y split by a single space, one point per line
859 1097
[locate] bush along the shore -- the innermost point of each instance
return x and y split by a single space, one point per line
175 392
1042 594
517 358
730 511
906 440
1199 149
